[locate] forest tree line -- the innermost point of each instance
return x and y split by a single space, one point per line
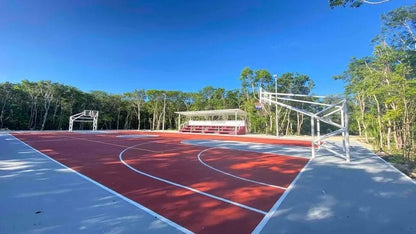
381 89
45 105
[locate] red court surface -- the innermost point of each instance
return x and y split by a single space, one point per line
205 190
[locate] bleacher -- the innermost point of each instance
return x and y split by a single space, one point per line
241 130
225 121
215 127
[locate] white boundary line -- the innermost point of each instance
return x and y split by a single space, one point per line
186 187
229 174
276 206
160 217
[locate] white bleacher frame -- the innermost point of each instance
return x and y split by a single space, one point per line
323 113
225 113
87 116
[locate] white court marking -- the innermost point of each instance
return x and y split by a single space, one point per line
232 175
276 206
186 187
136 136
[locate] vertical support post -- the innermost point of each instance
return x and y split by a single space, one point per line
318 129
261 95
71 124
313 135
277 120
95 122
277 114
235 127
179 122
347 134
342 114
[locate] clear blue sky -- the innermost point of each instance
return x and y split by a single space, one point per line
119 46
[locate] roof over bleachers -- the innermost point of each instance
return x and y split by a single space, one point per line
213 112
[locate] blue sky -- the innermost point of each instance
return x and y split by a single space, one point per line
119 46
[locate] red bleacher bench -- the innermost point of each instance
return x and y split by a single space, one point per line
214 129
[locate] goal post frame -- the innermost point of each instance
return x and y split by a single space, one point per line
87 116
322 115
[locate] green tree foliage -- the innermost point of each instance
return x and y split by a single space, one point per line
382 87
399 28
136 99
45 105
354 3
263 121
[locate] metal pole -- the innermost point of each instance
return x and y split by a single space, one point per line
347 134
260 94
179 122
235 127
344 148
318 127
277 114
313 135
71 124
164 111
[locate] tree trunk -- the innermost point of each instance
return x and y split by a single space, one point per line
46 105
2 114
118 117
380 127
159 122
154 119
361 102
126 122
359 126
299 122
389 136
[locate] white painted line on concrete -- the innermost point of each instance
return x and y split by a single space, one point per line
232 175
186 187
276 206
160 217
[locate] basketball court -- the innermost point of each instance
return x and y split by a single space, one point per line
131 181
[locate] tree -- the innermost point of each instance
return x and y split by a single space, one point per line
32 89
136 98
354 3
155 106
296 84
247 81
6 91
399 28
385 97
47 93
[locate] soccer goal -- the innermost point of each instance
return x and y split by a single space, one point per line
87 116
321 109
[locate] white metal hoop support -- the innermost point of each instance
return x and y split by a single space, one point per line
87 116
322 112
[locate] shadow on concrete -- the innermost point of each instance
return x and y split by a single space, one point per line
333 196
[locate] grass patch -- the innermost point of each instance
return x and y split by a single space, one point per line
406 166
